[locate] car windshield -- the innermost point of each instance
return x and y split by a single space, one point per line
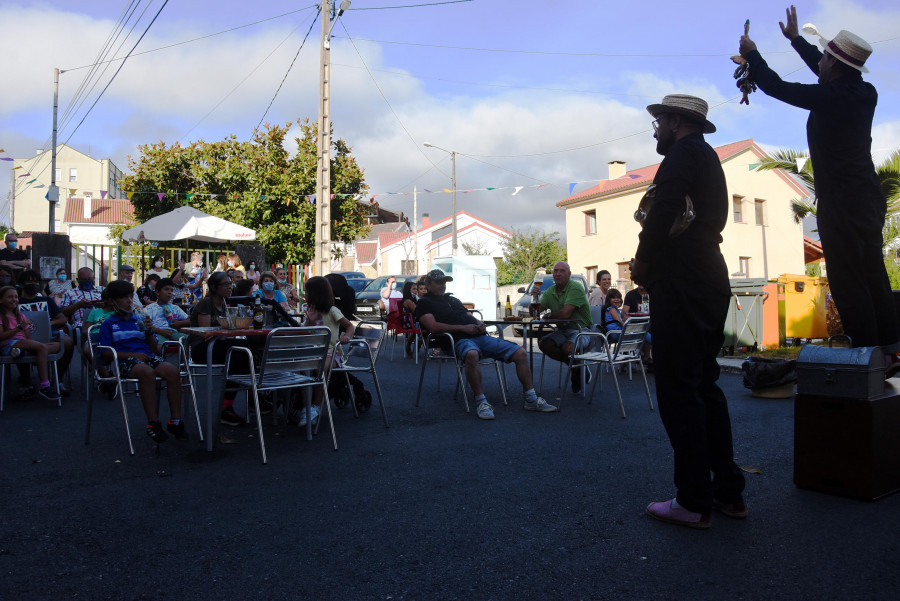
358 284
376 284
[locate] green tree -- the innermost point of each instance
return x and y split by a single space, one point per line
525 251
479 247
255 183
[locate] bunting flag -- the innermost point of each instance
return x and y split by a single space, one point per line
517 190
448 191
572 187
801 162
332 197
103 194
754 166
24 174
40 186
6 159
129 195
31 181
189 197
72 191
160 195
429 191
312 199
16 167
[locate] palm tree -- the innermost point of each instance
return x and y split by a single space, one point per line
888 174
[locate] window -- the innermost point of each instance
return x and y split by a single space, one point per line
73 175
737 203
624 272
590 223
58 175
744 263
759 206
590 275
408 267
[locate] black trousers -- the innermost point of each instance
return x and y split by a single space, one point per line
858 280
687 322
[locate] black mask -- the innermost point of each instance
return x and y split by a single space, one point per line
31 288
5 281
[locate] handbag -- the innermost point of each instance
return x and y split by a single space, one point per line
681 224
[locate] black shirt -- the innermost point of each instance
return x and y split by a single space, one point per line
839 133
633 299
446 309
10 254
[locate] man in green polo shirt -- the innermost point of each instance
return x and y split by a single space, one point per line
566 300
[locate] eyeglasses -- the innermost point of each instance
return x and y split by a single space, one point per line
655 124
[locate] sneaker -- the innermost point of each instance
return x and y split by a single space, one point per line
49 392
313 414
664 512
539 404
177 430
230 418
737 510
155 431
27 394
485 411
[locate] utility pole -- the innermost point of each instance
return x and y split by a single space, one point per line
322 264
53 193
453 208
416 225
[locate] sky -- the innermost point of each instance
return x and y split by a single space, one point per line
532 95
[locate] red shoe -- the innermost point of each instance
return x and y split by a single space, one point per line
893 366
664 512
737 510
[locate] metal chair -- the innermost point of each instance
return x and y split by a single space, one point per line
434 352
41 333
361 356
292 358
130 385
625 351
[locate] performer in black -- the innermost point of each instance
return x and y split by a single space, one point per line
851 206
688 279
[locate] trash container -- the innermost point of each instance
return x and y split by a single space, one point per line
744 323
801 313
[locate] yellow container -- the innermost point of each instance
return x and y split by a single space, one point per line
801 313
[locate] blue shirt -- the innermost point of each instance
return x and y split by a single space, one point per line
279 296
124 334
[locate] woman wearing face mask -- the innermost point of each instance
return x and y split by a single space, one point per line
287 289
57 287
234 262
157 268
6 276
268 289
252 274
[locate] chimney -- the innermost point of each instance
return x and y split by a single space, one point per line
426 220
88 209
39 151
617 169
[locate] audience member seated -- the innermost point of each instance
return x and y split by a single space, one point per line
408 313
613 320
55 288
14 258
438 312
321 311
566 299
195 274
15 339
157 268
126 273
287 289
147 292
268 288
253 274
234 262
205 314
139 358
76 303
6 276
30 285
166 317
182 294
243 287
634 300
598 294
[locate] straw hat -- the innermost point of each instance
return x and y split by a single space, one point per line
682 104
848 48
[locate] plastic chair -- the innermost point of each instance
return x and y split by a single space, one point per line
361 356
395 326
130 385
292 358
41 333
624 352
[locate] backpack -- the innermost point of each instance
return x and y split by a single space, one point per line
344 295
339 392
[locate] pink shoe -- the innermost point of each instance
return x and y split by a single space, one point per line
892 366
664 512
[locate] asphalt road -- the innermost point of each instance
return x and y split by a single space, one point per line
439 506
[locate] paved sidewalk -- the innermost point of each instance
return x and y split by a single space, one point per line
440 506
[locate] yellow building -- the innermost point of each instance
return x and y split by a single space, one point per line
759 240
78 176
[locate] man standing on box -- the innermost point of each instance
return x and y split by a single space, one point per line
850 204
688 278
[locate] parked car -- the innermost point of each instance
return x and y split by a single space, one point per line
367 300
520 307
352 275
358 283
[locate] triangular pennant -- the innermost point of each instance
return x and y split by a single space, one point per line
72 191
129 195
40 186
518 189
263 197
753 166
160 195
25 175
801 161
189 197
572 187
448 191
47 195
541 186
31 181
429 191
312 198
490 188
103 194
6 159
16 167
332 197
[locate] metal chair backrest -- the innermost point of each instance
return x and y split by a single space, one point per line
632 338
597 312
372 332
296 349
41 321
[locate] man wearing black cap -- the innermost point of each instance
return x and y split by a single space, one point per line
850 204
439 313
687 276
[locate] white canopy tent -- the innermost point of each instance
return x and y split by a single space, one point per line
187 223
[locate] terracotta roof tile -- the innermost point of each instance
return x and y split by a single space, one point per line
107 211
366 251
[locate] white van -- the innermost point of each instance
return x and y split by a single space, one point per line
474 281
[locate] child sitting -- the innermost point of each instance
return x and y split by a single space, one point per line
167 318
15 338
138 356
612 321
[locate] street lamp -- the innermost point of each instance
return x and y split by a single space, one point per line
452 191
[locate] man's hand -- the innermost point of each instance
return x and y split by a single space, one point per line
747 46
790 31
476 329
140 356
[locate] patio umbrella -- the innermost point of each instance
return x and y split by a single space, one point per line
187 223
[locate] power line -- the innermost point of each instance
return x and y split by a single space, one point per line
411 5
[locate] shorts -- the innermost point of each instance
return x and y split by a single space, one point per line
613 336
560 337
487 347
126 365
7 345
